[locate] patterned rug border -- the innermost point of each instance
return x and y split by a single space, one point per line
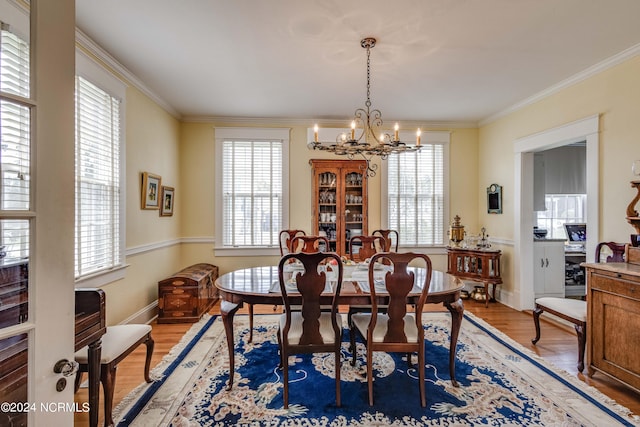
588 392
136 400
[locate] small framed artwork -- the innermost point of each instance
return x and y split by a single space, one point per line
494 199
166 209
150 191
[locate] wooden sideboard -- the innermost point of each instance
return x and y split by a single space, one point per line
478 265
613 318
188 294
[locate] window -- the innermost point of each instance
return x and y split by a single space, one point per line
417 192
15 148
561 208
99 195
253 189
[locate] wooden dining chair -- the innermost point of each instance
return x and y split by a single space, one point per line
309 244
391 239
610 252
286 237
396 330
367 246
309 330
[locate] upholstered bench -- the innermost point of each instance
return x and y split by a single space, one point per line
118 342
571 310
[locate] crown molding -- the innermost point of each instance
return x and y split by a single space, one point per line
90 47
598 68
335 123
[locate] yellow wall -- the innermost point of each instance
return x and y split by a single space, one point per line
152 145
613 94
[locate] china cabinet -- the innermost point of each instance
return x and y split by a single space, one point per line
339 201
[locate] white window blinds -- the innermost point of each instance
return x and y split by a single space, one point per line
252 183
97 240
416 194
15 124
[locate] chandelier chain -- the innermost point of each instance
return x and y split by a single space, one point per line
368 103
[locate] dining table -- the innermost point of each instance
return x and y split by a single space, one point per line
260 285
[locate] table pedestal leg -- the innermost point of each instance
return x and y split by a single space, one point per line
227 311
457 311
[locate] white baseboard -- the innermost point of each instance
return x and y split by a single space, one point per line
146 315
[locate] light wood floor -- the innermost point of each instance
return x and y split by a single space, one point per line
558 344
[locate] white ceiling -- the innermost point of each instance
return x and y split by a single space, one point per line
436 60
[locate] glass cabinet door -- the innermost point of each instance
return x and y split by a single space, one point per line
354 207
327 207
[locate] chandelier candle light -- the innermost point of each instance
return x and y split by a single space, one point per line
368 144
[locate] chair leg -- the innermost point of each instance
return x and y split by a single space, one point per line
250 322
285 377
147 363
423 399
352 339
370 375
581 330
536 321
338 364
108 378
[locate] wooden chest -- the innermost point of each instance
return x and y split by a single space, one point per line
188 294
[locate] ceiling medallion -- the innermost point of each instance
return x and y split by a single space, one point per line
372 139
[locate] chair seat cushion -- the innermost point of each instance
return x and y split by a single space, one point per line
117 340
295 332
361 321
574 308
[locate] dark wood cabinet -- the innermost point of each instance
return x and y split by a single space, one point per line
613 318
188 294
479 265
339 201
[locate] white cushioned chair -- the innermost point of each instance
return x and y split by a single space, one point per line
117 343
575 310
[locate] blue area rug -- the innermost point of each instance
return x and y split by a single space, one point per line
501 384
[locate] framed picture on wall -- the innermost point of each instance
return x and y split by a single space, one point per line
166 208
150 191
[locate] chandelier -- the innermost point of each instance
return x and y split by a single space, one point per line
372 140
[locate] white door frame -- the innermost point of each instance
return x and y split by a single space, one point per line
585 129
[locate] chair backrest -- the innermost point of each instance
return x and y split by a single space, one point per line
399 283
391 239
310 284
286 236
367 246
610 251
309 244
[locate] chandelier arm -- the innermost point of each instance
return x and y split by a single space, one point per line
371 141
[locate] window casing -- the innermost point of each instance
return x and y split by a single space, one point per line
99 236
416 192
252 190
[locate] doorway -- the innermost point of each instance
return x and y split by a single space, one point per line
524 148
